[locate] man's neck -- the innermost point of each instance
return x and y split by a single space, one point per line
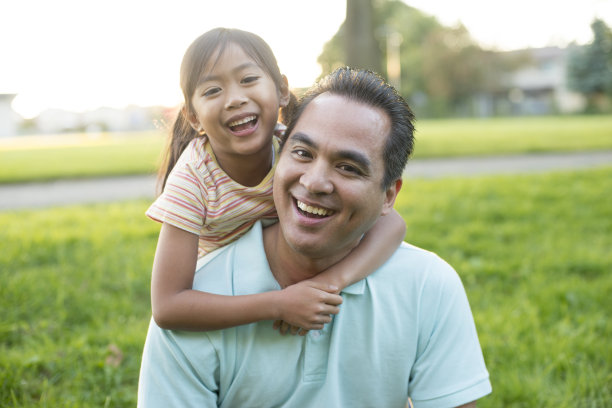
288 266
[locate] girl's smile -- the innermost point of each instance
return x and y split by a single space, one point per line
244 124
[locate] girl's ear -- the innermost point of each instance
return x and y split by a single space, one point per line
191 118
283 91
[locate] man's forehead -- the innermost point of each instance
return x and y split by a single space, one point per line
335 115
328 101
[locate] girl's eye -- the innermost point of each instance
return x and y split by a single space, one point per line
211 91
249 79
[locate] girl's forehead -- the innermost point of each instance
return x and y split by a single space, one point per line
228 55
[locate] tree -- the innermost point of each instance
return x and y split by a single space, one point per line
441 68
589 67
361 47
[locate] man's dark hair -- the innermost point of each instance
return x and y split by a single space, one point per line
369 88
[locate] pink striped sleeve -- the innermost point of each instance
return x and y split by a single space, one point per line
182 204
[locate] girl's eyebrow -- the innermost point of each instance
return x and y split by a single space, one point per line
352 155
238 68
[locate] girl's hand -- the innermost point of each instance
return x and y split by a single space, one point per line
307 305
284 328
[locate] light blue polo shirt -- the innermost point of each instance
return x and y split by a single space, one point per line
405 331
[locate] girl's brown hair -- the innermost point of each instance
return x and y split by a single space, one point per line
195 61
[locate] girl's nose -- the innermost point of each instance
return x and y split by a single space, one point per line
235 99
316 179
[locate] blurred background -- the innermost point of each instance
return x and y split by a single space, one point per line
94 66
88 89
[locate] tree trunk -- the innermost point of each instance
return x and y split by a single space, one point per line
361 46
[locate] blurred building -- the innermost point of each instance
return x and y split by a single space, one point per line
8 118
537 87
103 119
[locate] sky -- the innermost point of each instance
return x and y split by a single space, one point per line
83 54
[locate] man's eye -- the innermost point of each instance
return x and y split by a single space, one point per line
350 169
301 153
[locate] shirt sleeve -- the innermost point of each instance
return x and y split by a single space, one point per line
179 369
449 369
183 201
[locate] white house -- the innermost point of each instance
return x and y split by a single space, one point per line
539 86
8 118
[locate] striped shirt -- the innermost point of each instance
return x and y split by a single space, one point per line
199 197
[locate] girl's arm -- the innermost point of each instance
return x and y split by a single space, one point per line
176 305
378 244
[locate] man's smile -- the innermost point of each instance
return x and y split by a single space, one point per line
312 211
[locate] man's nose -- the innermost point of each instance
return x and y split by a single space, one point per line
235 98
316 179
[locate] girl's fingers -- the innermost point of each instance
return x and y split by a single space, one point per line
327 310
325 319
284 327
330 310
324 287
332 299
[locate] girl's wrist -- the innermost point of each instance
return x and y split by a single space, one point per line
273 304
332 277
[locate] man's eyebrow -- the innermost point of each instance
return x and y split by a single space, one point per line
352 155
356 157
240 67
304 138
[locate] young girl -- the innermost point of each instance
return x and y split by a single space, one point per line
218 183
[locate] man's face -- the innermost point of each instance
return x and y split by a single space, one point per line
327 184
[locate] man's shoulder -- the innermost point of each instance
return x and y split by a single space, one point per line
245 242
227 270
410 262
416 257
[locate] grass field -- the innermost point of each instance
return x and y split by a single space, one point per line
533 252
458 137
76 155
52 157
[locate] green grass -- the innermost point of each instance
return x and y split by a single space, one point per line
457 137
533 252
78 156
75 304
71 156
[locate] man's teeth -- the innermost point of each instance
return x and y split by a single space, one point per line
242 121
312 210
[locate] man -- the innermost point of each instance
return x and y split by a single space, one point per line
405 331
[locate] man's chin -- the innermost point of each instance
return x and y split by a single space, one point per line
320 250
310 250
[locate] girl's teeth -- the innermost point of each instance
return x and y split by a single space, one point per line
312 210
242 121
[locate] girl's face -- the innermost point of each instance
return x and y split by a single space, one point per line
236 103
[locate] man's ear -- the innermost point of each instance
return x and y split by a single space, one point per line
283 91
390 195
191 118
